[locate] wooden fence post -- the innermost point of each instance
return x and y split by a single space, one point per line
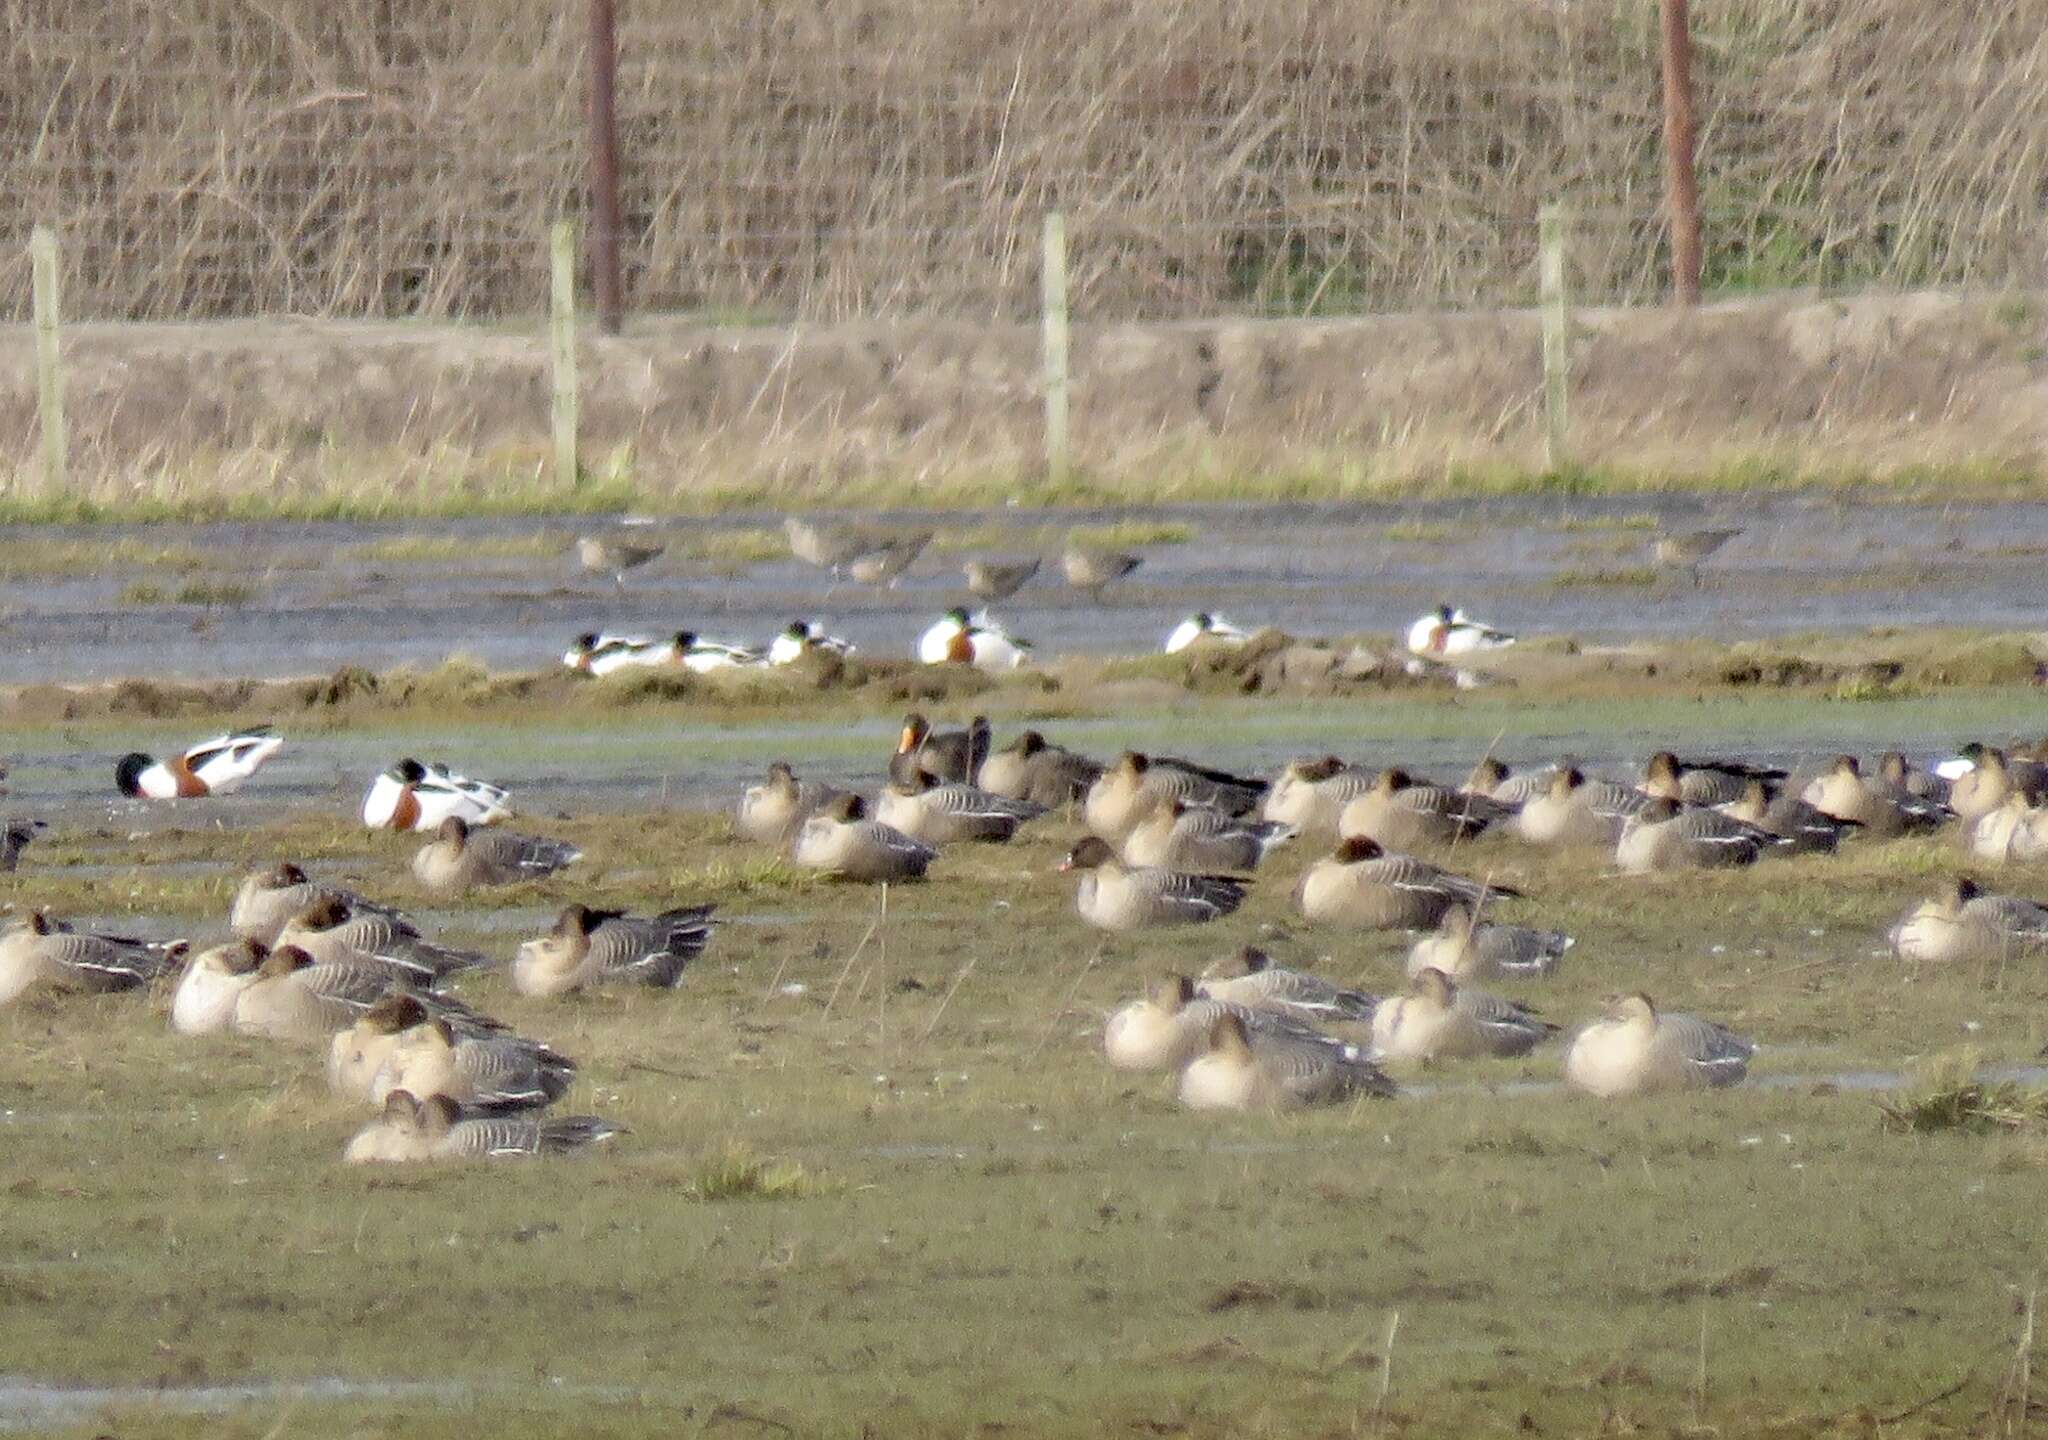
1681 183
1557 353
42 249
1053 290
562 349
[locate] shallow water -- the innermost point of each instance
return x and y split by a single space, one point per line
1803 562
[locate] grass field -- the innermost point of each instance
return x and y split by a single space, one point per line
880 1181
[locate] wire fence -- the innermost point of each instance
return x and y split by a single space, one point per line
894 158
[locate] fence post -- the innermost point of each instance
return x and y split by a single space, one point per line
1557 355
42 250
562 348
1681 184
604 166
1053 289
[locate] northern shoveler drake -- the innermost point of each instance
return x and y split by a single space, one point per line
958 640
1445 631
700 656
804 637
212 767
601 652
1204 626
413 796
1633 1048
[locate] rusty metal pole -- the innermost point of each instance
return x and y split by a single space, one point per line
604 165
1681 185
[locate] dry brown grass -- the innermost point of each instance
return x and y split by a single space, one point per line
369 158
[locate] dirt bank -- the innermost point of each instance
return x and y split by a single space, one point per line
305 411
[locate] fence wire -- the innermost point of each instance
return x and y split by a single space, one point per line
893 158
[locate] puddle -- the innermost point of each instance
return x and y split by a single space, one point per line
27 1404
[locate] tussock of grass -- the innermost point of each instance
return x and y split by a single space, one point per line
1421 532
1949 1095
1636 576
1634 520
738 1173
436 549
1125 534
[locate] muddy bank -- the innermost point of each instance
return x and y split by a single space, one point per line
297 410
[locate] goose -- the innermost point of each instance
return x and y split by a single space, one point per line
1032 768
1702 782
1248 1069
1895 770
1963 923
459 859
1168 1025
954 755
2016 830
297 1001
218 766
480 1072
268 899
1990 780
1403 813
885 563
1361 886
956 640
1095 570
1466 948
772 811
1311 794
803 638
1206 628
355 1055
15 835
600 556
37 951
204 1002
1248 977
1116 897
588 947
1805 829
1494 780
1633 1049
841 840
1576 810
946 814
1663 836
993 580
1438 1019
1843 793
411 1130
1688 549
413 796
1124 794
1180 836
1445 631
332 931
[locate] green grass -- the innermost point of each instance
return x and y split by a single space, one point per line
217 594
886 1179
1605 578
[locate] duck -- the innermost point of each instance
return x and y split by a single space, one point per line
459 859
204 1002
1633 1049
1497 781
1362 886
1032 768
1666 836
1844 793
1095 570
588 947
15 835
1115 897
267 900
1805 830
1403 813
1438 1019
1204 627
885 562
993 580
1180 836
1124 793
1688 549
803 638
1168 1025
948 755
1446 631
1577 810
413 796
772 811
480 1072
702 656
295 1000
357 1054
333 932
1310 794
1466 948
1248 977
411 1131
954 639
1248 1069
2016 830
1702 782
841 840
947 814
1962 922
38 952
219 766
599 556
600 653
